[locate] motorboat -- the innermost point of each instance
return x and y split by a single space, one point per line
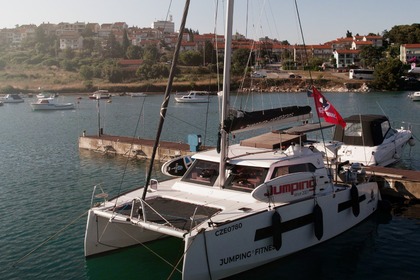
50 103
236 207
138 94
100 94
369 140
193 96
414 96
12 98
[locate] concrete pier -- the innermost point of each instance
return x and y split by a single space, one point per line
396 182
133 147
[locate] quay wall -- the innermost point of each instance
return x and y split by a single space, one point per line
133 147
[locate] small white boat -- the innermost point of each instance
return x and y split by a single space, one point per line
50 104
193 96
12 98
100 94
138 94
415 96
46 95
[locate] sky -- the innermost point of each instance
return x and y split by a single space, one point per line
321 20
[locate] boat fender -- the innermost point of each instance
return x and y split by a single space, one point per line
354 194
318 222
219 139
412 142
276 225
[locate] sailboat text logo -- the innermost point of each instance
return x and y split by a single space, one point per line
296 188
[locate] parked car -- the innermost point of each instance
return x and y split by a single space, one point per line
258 75
294 76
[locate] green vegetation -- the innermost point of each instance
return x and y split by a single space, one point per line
39 62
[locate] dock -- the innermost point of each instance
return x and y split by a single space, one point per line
399 183
134 147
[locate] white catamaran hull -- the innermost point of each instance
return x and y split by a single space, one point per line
216 251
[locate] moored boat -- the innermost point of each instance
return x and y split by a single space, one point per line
100 94
12 98
50 104
414 96
193 96
369 140
138 94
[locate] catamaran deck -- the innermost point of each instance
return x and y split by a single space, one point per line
179 214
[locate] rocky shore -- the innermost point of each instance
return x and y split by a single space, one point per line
304 85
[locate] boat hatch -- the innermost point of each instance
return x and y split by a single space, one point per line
273 140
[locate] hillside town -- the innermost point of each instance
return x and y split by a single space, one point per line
344 50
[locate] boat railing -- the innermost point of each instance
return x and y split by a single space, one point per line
102 195
140 206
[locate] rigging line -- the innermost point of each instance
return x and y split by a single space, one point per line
183 254
249 58
311 81
167 96
303 40
48 239
148 248
129 153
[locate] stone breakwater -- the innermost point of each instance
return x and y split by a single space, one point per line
303 87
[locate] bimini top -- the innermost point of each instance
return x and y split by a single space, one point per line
363 130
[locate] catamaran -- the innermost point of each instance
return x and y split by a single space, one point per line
238 206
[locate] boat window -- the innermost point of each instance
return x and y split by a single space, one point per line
284 170
386 130
353 129
202 172
245 178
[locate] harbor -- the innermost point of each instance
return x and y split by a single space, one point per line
50 180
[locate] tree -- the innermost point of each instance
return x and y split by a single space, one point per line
190 58
240 59
403 34
113 73
86 72
370 56
387 74
125 42
208 52
134 52
151 53
88 45
112 48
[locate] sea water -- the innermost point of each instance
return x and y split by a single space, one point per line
47 182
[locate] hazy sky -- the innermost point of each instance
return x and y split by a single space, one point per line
322 20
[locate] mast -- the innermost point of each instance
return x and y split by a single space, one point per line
226 89
166 98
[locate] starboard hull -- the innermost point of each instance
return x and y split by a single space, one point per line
238 245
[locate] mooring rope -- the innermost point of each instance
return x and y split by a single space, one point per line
48 239
150 250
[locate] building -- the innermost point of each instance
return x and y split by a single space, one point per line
165 26
410 53
346 58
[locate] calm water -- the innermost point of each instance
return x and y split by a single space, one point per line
47 184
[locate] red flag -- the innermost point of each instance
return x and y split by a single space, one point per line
326 110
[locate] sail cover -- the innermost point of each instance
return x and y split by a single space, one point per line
241 121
